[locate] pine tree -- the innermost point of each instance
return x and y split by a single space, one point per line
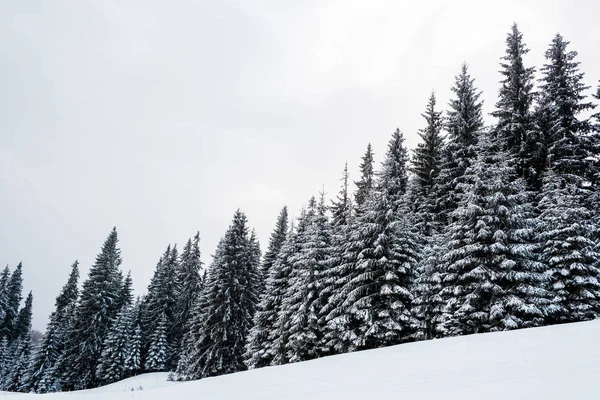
158 353
304 297
114 350
463 124
569 250
334 276
491 280
266 340
127 291
190 365
14 287
3 298
161 299
228 303
16 365
42 367
23 322
188 283
515 127
276 240
562 100
94 315
376 306
365 185
427 157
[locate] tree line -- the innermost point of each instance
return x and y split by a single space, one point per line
480 229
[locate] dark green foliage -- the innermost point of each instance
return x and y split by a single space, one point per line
514 129
188 283
276 240
94 315
161 299
427 157
365 185
228 304
42 369
490 279
463 125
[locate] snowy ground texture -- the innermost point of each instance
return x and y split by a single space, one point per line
555 362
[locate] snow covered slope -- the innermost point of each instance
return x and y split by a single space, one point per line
558 362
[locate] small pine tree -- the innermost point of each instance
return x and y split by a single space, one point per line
304 299
365 185
427 157
114 350
276 240
158 353
13 297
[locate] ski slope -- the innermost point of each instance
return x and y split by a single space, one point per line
557 362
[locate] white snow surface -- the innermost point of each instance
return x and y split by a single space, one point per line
557 362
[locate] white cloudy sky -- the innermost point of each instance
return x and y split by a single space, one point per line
163 117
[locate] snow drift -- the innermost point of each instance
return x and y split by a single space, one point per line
555 362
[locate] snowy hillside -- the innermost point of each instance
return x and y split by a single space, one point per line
556 362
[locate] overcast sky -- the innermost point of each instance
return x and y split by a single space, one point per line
163 117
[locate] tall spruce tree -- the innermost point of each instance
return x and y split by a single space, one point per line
491 280
427 157
463 125
303 299
13 296
267 339
515 128
188 282
161 299
94 316
562 101
333 278
376 306
42 367
229 305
